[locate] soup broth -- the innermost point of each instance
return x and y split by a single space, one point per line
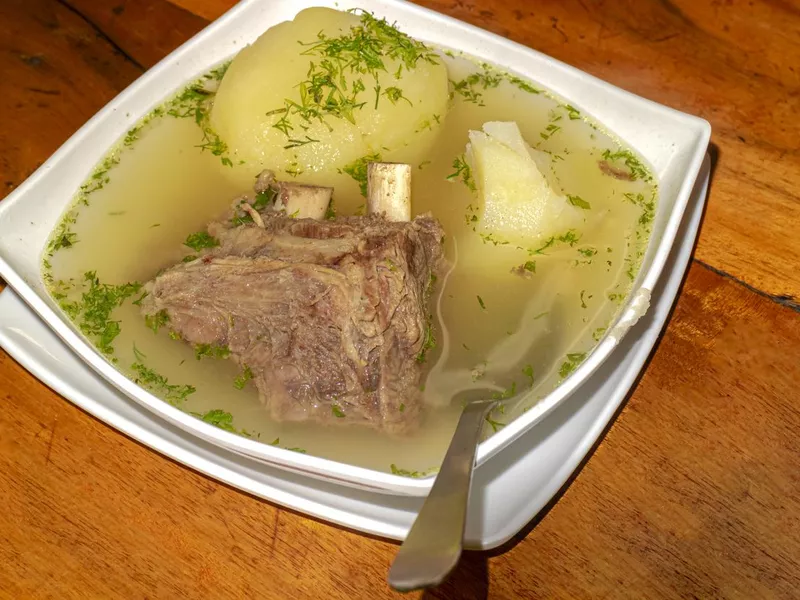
514 318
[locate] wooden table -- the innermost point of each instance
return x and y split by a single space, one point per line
695 490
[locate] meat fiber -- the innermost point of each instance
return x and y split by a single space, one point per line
329 316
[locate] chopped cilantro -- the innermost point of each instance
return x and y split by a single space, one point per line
337 411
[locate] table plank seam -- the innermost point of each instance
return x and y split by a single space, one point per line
782 299
102 34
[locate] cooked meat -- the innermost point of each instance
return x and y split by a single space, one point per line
608 169
329 316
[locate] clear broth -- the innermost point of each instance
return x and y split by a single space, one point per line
518 335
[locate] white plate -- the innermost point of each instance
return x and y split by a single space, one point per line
672 142
522 480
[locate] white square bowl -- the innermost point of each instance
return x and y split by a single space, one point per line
673 143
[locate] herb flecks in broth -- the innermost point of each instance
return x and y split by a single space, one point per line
157 321
413 474
574 359
175 394
358 170
462 172
578 201
243 377
631 162
189 103
277 441
194 102
93 309
531 288
473 87
221 419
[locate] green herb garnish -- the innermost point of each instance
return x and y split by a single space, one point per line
573 360
337 411
572 112
156 321
634 165
211 351
648 206
414 474
462 171
468 87
527 370
428 340
147 377
579 202
358 170
222 419
201 240
358 53
243 377
92 312
194 102
570 237
494 424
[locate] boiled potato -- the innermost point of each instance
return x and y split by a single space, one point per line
519 206
318 94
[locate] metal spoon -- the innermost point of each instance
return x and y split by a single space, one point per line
433 545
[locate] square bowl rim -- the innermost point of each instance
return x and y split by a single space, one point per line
314 466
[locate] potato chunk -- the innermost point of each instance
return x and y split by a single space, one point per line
322 92
519 205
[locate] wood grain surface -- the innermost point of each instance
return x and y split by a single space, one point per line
694 491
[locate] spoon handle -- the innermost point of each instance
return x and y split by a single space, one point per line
433 545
